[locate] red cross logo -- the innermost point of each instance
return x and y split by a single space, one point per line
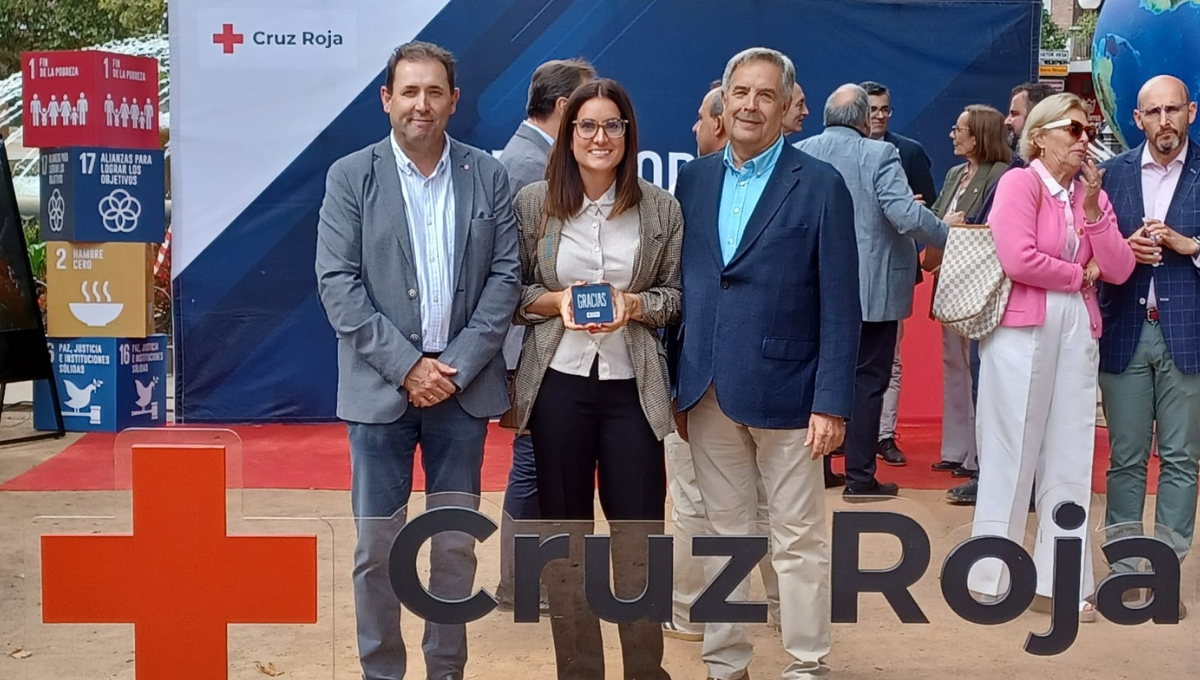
178 577
227 39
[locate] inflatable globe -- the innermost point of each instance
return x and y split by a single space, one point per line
1135 41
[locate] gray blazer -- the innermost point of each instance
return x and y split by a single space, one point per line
656 280
368 285
524 157
886 219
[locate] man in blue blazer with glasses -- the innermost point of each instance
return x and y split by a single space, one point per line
1150 350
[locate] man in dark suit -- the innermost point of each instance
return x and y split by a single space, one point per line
1150 350
524 157
918 170
766 371
418 272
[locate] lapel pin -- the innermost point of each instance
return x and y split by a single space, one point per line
466 166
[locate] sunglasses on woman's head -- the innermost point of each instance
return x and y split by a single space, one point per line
1073 127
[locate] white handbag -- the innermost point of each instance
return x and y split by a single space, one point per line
972 288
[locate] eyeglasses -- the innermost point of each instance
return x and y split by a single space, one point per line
956 130
613 127
1074 128
885 110
1169 109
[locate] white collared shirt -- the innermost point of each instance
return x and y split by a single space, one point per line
429 209
548 138
595 247
1158 188
1065 195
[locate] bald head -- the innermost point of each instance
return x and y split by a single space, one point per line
793 121
1160 86
710 128
1165 113
848 106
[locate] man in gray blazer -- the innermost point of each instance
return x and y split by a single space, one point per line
886 220
418 272
524 157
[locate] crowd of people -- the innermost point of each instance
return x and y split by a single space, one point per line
757 314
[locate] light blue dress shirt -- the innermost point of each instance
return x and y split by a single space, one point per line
429 207
740 193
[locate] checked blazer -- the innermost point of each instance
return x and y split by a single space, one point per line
1177 279
655 280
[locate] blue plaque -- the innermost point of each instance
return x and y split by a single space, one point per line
105 384
94 195
593 303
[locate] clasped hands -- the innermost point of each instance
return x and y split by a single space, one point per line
1148 241
428 382
626 306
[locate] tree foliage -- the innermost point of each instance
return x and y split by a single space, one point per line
1054 37
27 25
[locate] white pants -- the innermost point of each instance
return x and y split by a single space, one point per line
1037 416
958 408
891 398
730 460
687 514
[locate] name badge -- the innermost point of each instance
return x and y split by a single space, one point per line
593 303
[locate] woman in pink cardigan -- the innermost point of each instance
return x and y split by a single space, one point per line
1055 236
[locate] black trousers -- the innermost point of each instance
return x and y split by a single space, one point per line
876 352
584 430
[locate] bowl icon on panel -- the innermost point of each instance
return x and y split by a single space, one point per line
96 314
99 310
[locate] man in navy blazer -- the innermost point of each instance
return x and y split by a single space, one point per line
1150 350
766 371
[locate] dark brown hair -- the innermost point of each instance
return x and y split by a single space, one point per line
420 51
554 79
564 196
986 125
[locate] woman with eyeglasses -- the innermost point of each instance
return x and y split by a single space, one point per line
1056 235
594 396
978 137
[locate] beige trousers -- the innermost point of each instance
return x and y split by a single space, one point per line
730 459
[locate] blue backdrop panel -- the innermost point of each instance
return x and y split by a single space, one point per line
252 341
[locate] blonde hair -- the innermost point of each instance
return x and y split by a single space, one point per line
1052 108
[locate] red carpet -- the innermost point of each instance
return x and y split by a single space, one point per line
317 457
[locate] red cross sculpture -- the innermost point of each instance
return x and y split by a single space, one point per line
227 38
178 577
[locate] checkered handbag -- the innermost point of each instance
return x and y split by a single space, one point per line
972 289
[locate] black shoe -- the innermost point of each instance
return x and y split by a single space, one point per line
964 494
890 453
880 492
833 480
838 452
963 472
945 466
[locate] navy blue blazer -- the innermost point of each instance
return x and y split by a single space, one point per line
776 331
1176 279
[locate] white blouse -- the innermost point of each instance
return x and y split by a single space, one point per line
594 247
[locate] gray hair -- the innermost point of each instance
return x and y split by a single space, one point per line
787 81
854 113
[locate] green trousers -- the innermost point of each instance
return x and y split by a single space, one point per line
1152 390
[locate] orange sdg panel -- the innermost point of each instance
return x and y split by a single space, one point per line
178 577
